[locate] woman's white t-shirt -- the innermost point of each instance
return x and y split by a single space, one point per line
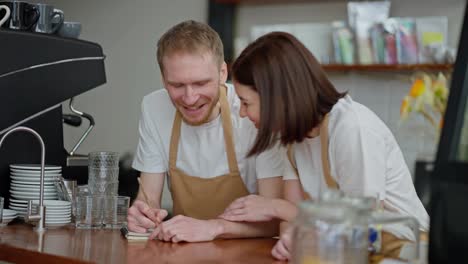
202 151
364 159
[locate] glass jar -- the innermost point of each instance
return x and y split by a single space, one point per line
329 232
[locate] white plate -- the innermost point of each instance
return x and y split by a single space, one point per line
49 196
18 201
32 183
18 206
53 226
10 216
52 196
34 193
54 203
55 211
31 179
35 172
58 219
48 185
58 212
32 188
65 216
58 208
34 167
8 212
22 185
57 224
31 197
34 176
64 221
18 209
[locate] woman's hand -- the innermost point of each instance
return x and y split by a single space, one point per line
251 208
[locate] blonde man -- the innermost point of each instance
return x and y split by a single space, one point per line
191 133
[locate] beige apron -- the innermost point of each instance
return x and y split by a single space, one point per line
391 245
205 198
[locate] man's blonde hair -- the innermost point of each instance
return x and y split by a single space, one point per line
191 37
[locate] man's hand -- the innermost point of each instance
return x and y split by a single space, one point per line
141 217
251 208
183 228
282 249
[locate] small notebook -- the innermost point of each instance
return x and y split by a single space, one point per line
129 235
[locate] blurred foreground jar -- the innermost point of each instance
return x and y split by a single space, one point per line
329 232
349 229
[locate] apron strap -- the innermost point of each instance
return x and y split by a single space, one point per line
227 128
174 144
292 160
331 183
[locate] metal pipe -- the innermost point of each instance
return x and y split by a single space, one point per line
86 133
41 214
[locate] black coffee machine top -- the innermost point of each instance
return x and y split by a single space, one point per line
40 71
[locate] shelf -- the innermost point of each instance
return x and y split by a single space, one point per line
383 67
389 68
268 2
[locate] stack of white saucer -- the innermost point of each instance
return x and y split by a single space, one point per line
8 216
58 213
25 184
20 206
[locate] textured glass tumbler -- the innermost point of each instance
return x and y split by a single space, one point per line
103 174
103 159
103 188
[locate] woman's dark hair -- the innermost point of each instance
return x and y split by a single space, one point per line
295 93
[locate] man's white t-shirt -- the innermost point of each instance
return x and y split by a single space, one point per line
365 159
202 151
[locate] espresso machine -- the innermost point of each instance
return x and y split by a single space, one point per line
38 72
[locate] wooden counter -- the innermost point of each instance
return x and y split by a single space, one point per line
20 244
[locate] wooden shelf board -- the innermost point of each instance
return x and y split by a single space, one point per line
391 67
268 2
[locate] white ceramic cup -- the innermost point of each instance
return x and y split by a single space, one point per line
7 14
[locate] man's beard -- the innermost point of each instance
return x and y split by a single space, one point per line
206 118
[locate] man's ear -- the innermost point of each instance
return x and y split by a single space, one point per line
223 73
162 78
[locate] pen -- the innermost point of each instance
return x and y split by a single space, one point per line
145 196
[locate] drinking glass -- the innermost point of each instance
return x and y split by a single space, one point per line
115 212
